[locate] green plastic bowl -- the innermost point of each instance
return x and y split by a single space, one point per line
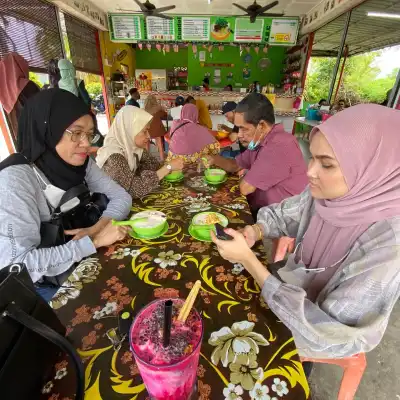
174 175
149 231
215 175
203 231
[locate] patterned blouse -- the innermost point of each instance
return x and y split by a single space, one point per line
210 149
142 182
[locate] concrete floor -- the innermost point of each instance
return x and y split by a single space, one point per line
381 378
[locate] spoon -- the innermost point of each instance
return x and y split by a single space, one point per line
130 223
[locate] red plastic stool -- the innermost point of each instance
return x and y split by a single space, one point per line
282 246
353 370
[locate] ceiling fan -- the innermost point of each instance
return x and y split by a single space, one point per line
255 10
150 10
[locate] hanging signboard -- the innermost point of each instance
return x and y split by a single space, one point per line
130 28
245 31
196 29
125 28
221 29
283 32
160 28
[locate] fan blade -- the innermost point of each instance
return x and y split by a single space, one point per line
163 9
271 15
142 7
267 7
241 7
155 14
253 18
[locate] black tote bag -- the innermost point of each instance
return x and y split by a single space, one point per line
32 338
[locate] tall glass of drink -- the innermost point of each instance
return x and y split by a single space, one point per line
168 372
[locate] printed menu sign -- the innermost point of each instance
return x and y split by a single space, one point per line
195 28
245 31
284 32
160 29
125 27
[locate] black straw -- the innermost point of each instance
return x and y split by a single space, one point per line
167 322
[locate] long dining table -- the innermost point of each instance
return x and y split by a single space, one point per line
247 353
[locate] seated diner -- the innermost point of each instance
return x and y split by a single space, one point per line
190 141
55 132
124 156
275 168
204 114
338 289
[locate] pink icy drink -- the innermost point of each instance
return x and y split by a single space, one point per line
169 373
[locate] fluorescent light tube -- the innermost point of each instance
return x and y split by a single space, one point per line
382 15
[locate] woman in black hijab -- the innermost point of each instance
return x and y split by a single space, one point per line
55 131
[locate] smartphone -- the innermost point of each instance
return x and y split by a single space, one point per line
221 234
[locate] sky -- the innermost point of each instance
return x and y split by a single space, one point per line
389 60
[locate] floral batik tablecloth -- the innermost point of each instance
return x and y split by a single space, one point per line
247 353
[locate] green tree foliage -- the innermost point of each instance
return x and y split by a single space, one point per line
94 89
360 79
34 78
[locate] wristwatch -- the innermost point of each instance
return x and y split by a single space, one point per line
169 167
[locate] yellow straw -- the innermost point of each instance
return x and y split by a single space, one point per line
187 306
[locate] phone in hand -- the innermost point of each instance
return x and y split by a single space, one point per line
221 234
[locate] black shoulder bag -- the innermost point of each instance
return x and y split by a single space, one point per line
31 339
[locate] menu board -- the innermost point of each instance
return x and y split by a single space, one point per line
196 29
160 28
245 31
221 29
125 28
284 32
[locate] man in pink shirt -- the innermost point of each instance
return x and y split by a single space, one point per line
273 160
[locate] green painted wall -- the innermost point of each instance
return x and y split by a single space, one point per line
232 55
185 58
154 59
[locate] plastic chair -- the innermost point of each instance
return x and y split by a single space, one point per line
353 370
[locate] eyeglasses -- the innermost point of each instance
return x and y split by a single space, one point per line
80 136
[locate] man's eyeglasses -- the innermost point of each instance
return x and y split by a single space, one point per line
81 136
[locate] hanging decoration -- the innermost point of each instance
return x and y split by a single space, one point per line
246 73
248 49
256 49
194 48
176 48
158 47
167 47
163 49
265 49
247 58
210 49
241 47
148 46
221 47
140 45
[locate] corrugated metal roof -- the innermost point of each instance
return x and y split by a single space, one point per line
365 33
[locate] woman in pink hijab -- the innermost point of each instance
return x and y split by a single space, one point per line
189 140
15 87
337 290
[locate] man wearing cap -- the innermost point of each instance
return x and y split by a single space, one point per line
228 109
